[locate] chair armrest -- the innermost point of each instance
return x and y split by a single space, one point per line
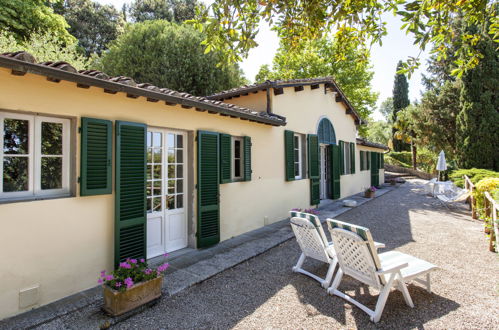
392 268
379 245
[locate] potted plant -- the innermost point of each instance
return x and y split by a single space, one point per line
369 192
131 285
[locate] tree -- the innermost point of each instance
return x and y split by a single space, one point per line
386 109
169 55
405 126
93 24
478 119
317 59
232 25
25 17
400 101
171 10
379 131
45 47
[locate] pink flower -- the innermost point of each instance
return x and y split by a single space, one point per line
133 261
118 284
102 273
142 260
128 282
100 281
148 271
125 265
109 277
163 267
165 254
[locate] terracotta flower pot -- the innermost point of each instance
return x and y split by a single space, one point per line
117 303
369 194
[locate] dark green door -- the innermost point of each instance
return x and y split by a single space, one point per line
374 169
208 226
335 157
130 199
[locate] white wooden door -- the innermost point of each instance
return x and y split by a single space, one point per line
323 168
166 186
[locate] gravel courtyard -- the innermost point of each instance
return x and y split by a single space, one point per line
264 293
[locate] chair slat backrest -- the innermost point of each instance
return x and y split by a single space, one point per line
356 251
314 220
308 239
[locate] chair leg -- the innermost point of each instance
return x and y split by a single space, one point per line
428 285
403 288
330 272
299 263
383 296
336 282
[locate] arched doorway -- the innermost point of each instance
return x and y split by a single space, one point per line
329 160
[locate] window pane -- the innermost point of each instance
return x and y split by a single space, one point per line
171 156
51 138
171 171
237 149
157 172
170 202
149 139
157 188
156 204
15 134
157 155
180 186
149 172
149 205
180 156
15 174
149 155
237 167
180 171
180 201
51 173
171 186
156 139
149 188
180 141
171 140
297 169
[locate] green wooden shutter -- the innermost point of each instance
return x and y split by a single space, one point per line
352 157
96 157
361 160
313 168
208 226
289 155
368 157
335 155
247 158
225 158
342 157
130 199
381 160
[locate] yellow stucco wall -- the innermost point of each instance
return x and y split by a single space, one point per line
255 101
63 244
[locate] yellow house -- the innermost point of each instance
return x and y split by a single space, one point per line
96 169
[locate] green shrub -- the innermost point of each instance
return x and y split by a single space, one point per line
475 175
425 159
393 161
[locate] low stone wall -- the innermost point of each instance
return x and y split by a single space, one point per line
399 169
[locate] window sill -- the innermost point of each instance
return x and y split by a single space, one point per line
33 198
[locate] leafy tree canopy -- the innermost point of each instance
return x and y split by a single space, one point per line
400 101
169 55
379 131
93 24
386 109
23 18
46 47
317 59
171 10
232 25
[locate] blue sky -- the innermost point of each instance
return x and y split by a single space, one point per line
396 46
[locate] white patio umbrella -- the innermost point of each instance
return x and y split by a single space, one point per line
441 164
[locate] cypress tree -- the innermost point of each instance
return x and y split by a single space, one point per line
477 133
400 101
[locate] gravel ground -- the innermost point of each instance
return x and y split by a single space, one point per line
264 293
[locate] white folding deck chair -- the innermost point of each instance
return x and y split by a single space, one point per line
314 244
359 259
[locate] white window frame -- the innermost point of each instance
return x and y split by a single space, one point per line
298 161
35 157
241 158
